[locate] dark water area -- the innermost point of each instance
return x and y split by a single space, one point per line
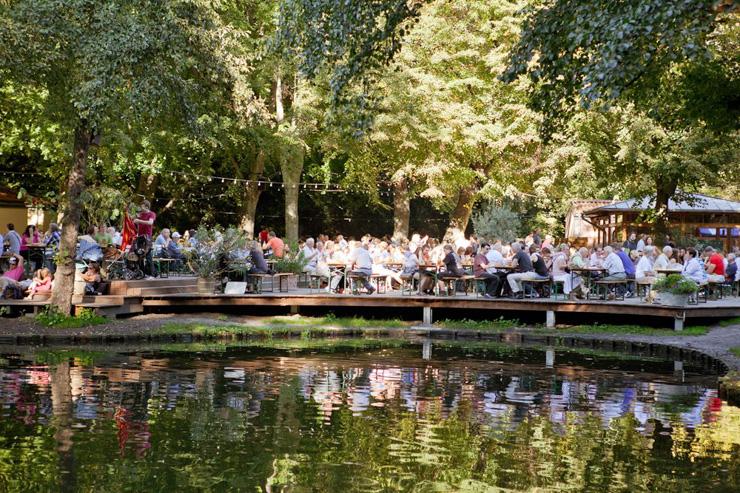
360 415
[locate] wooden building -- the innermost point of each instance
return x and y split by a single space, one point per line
701 216
578 231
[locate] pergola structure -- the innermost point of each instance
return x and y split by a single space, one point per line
710 218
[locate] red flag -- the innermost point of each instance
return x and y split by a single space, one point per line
128 232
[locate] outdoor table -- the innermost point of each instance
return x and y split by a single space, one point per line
430 269
336 266
588 277
37 251
668 271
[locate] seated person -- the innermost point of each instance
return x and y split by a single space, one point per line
162 241
93 281
173 249
480 271
88 248
12 278
693 268
731 271
311 255
102 237
715 265
41 283
259 264
359 263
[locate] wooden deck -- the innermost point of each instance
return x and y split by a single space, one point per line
177 294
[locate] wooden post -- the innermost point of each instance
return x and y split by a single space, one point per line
427 316
550 319
678 321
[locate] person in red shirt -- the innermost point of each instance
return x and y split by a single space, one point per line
275 244
715 265
144 222
264 235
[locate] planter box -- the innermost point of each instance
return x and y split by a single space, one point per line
671 299
206 285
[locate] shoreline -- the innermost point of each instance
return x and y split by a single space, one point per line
716 343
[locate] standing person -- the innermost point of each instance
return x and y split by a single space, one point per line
631 243
14 240
144 222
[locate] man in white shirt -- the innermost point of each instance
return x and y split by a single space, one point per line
311 255
613 265
664 259
361 263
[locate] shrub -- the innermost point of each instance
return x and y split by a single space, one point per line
497 223
675 284
52 317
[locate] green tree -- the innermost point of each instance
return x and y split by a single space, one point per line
119 67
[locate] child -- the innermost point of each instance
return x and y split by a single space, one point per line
42 280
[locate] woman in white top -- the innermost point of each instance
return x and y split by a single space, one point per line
644 273
693 269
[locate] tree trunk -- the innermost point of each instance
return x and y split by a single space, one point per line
62 413
460 215
251 196
401 209
664 191
292 168
64 278
147 186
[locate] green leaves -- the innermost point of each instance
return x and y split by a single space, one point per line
590 52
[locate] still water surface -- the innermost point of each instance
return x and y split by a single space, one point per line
345 416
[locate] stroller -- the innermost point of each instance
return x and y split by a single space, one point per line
134 261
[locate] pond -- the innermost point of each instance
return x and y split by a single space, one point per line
360 415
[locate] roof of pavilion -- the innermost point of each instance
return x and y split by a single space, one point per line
697 202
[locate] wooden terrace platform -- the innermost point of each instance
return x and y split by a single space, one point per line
179 294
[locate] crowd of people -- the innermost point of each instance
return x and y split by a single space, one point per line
419 263
502 267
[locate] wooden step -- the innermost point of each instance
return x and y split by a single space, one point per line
103 298
167 290
133 288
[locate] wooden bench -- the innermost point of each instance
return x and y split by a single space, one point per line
606 286
407 286
164 266
353 277
532 283
643 288
256 282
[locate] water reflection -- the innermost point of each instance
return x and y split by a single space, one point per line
385 417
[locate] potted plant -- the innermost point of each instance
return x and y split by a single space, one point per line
212 255
675 289
293 263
